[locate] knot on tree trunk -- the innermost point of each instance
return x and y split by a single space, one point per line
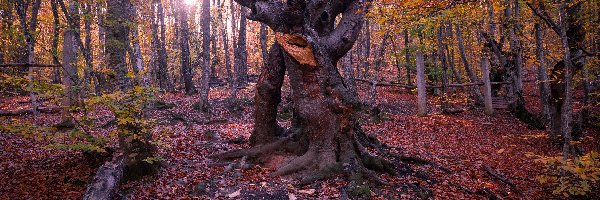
298 48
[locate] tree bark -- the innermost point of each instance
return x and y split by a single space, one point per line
225 39
377 65
543 86
349 73
27 27
487 87
264 31
444 63
421 82
186 69
87 51
407 57
241 56
475 92
70 78
164 80
137 50
56 79
117 32
325 131
206 72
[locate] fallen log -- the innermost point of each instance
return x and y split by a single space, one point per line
42 109
106 182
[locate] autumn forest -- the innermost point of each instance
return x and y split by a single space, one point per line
299 99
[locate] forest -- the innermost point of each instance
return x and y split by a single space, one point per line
299 99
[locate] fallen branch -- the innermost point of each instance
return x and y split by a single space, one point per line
42 109
106 182
503 179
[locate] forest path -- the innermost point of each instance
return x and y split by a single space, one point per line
464 143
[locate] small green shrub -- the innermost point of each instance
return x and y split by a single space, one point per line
572 177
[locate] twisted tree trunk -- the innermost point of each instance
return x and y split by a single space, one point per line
325 132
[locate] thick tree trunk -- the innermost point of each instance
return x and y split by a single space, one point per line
117 32
325 131
421 82
70 70
106 182
186 69
475 92
267 98
134 144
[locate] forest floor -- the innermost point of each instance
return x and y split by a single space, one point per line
465 144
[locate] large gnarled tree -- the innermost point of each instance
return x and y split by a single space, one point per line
325 133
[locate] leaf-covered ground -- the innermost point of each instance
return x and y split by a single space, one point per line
462 146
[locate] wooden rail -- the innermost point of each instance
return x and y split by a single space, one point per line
9 65
392 84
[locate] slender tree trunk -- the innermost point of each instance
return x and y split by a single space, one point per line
444 62
215 57
137 50
450 52
516 48
366 50
87 52
377 64
28 27
475 92
349 73
264 31
407 57
225 39
421 82
162 50
205 55
56 79
566 112
487 87
241 56
99 79
186 69
544 87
